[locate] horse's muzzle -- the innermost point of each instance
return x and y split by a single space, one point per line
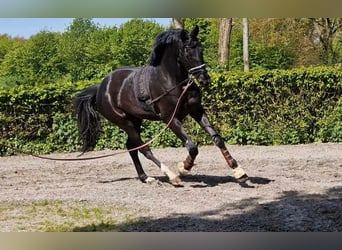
203 78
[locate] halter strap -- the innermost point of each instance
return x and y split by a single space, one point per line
196 69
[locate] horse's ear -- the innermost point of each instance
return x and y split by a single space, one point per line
183 35
194 32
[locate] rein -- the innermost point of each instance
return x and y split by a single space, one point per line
167 92
191 72
189 80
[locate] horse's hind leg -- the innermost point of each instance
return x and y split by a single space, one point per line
135 141
134 155
174 179
132 129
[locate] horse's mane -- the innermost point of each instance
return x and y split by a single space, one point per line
165 39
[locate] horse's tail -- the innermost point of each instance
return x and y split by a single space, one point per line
88 118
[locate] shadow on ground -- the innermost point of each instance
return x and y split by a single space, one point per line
293 211
211 181
202 181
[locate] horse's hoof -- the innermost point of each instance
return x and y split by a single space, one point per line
176 182
243 179
150 180
238 172
181 170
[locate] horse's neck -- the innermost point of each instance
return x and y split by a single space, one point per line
170 67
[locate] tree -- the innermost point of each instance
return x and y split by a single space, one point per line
15 67
178 23
100 58
245 44
10 50
133 42
224 41
326 29
280 43
35 61
42 60
6 45
84 52
208 35
72 50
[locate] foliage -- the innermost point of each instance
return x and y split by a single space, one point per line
29 114
64 133
271 57
262 107
72 49
87 51
276 43
266 52
8 44
14 67
273 107
330 126
133 42
208 35
99 58
327 32
84 52
270 48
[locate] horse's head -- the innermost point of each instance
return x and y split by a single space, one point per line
191 56
189 52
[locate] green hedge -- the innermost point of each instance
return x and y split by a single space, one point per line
279 106
264 107
33 117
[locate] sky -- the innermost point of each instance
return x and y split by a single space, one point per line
26 27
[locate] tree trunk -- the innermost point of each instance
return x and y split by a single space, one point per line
224 41
178 23
245 45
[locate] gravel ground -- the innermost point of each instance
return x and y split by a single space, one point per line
291 188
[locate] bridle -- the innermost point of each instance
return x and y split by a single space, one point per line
191 78
184 60
198 69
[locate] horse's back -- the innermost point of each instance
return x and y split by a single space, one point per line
109 90
116 78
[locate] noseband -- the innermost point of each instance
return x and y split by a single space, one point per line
197 69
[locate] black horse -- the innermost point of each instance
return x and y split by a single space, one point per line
129 95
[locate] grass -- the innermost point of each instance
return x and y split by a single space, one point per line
61 216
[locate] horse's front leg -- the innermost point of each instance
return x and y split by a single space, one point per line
200 116
184 167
